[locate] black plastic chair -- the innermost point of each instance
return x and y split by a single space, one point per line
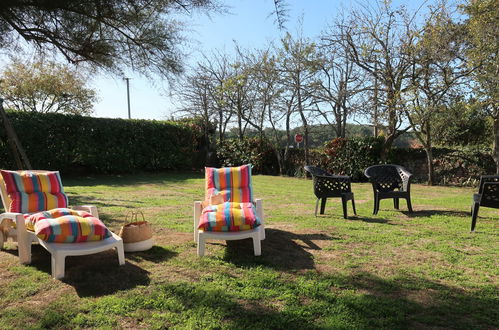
488 196
390 181
327 185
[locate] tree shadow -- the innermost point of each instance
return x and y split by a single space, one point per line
116 180
282 250
429 213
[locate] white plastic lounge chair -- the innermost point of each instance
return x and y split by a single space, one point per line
58 251
235 190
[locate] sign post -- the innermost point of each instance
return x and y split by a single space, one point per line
298 139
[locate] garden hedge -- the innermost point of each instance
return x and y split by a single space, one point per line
72 143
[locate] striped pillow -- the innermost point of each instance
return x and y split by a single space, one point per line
71 229
232 183
229 217
31 219
34 191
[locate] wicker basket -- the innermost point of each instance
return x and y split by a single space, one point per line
136 234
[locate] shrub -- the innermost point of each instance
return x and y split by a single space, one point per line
351 156
102 145
255 151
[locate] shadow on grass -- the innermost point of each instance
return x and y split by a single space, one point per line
372 220
76 199
332 301
283 251
156 254
115 180
97 274
429 213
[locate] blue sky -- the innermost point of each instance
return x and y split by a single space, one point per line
248 23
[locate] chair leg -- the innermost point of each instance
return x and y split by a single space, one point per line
344 204
323 205
121 253
257 247
200 246
376 205
316 205
474 215
396 203
262 232
409 204
58 265
353 206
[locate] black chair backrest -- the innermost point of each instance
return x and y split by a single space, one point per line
487 178
316 171
387 177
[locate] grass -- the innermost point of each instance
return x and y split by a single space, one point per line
395 270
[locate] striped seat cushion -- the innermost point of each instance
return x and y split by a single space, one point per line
31 191
68 226
229 217
31 219
232 183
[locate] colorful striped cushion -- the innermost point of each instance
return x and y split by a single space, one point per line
33 191
69 228
31 219
229 217
232 183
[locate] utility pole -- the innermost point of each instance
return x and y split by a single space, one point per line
376 127
128 96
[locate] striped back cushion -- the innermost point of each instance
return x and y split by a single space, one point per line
33 191
232 183
68 226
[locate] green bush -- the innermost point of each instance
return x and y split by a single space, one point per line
100 145
351 156
255 151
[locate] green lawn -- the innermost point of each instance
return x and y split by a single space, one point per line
394 270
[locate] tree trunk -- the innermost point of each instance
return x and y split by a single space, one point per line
429 159
496 143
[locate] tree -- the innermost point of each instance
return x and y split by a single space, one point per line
379 42
438 70
141 34
341 81
299 66
46 87
483 53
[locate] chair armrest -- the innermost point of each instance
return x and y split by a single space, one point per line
259 208
198 208
88 208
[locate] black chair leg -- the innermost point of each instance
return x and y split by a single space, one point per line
344 204
409 205
323 205
376 205
317 205
474 215
353 206
396 203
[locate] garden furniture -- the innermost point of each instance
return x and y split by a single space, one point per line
229 211
390 181
36 211
487 196
327 185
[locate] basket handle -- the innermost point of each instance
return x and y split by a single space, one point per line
132 216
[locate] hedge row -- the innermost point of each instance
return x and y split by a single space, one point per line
99 145
353 155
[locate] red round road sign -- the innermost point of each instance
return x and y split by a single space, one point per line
298 138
